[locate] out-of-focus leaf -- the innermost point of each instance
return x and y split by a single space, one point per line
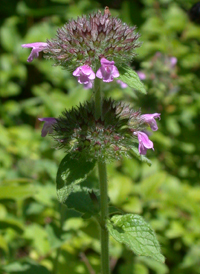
26 267
15 191
3 244
11 223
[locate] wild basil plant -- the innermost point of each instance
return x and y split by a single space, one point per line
98 49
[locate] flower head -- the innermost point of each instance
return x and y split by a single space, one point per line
36 48
144 142
47 127
111 136
107 71
89 38
150 120
85 74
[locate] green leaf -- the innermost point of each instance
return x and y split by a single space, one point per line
11 223
131 78
15 191
140 157
25 267
80 199
135 233
70 173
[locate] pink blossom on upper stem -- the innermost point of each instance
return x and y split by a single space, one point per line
122 84
150 120
47 127
85 74
141 75
36 48
107 71
144 142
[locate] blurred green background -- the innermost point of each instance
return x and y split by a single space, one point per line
167 194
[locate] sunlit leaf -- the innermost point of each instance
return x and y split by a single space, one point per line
136 234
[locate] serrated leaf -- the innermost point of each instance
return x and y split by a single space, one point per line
131 78
140 157
70 173
135 233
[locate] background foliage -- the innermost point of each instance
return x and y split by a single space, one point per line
167 194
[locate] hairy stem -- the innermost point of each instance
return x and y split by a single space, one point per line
105 268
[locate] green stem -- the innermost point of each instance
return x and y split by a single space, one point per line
104 215
97 98
58 251
105 268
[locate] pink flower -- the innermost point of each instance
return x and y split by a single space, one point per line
107 71
122 84
150 120
173 61
88 85
141 75
144 142
85 74
36 48
47 127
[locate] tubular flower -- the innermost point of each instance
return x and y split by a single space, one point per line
85 74
48 125
107 71
150 120
36 48
144 142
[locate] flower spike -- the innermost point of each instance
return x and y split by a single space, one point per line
36 48
107 71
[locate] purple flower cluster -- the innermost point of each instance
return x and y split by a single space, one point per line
144 142
143 139
107 72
